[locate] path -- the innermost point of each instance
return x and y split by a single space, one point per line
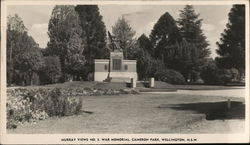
237 92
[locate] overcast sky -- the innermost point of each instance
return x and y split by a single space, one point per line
141 17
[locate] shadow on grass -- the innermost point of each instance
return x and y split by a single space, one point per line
213 110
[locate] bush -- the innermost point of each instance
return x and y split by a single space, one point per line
211 75
27 105
169 76
208 73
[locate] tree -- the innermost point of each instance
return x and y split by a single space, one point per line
145 43
15 23
124 36
19 46
29 63
65 41
51 71
232 43
94 34
190 30
164 34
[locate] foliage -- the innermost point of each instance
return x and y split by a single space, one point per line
31 104
24 58
184 57
124 36
145 43
169 76
51 73
164 33
65 40
232 42
146 64
93 34
208 72
27 105
15 23
29 62
212 75
190 29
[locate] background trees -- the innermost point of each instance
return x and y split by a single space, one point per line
78 35
124 36
51 72
65 41
190 30
24 58
164 34
181 47
232 43
94 34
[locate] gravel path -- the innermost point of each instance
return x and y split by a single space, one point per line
237 92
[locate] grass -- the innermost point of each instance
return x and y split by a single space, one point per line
159 86
148 113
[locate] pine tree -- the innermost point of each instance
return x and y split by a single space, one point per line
190 29
232 42
124 36
94 34
145 43
164 34
65 40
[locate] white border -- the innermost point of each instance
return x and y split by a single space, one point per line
56 138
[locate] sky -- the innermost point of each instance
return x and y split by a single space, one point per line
140 17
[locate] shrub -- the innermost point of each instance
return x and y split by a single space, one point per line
208 73
211 75
37 104
169 76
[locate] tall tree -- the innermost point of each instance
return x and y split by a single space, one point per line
19 47
232 42
65 40
124 36
94 34
164 34
190 29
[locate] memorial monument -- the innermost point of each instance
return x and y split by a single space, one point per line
116 68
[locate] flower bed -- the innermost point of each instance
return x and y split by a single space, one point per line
31 104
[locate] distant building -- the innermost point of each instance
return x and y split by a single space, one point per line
115 69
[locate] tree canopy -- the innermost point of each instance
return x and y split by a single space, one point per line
190 29
231 47
165 33
94 34
124 36
65 40
24 57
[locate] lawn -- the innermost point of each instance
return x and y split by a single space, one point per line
148 113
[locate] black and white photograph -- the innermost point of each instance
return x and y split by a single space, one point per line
134 68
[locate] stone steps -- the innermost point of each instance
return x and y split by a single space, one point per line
119 79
